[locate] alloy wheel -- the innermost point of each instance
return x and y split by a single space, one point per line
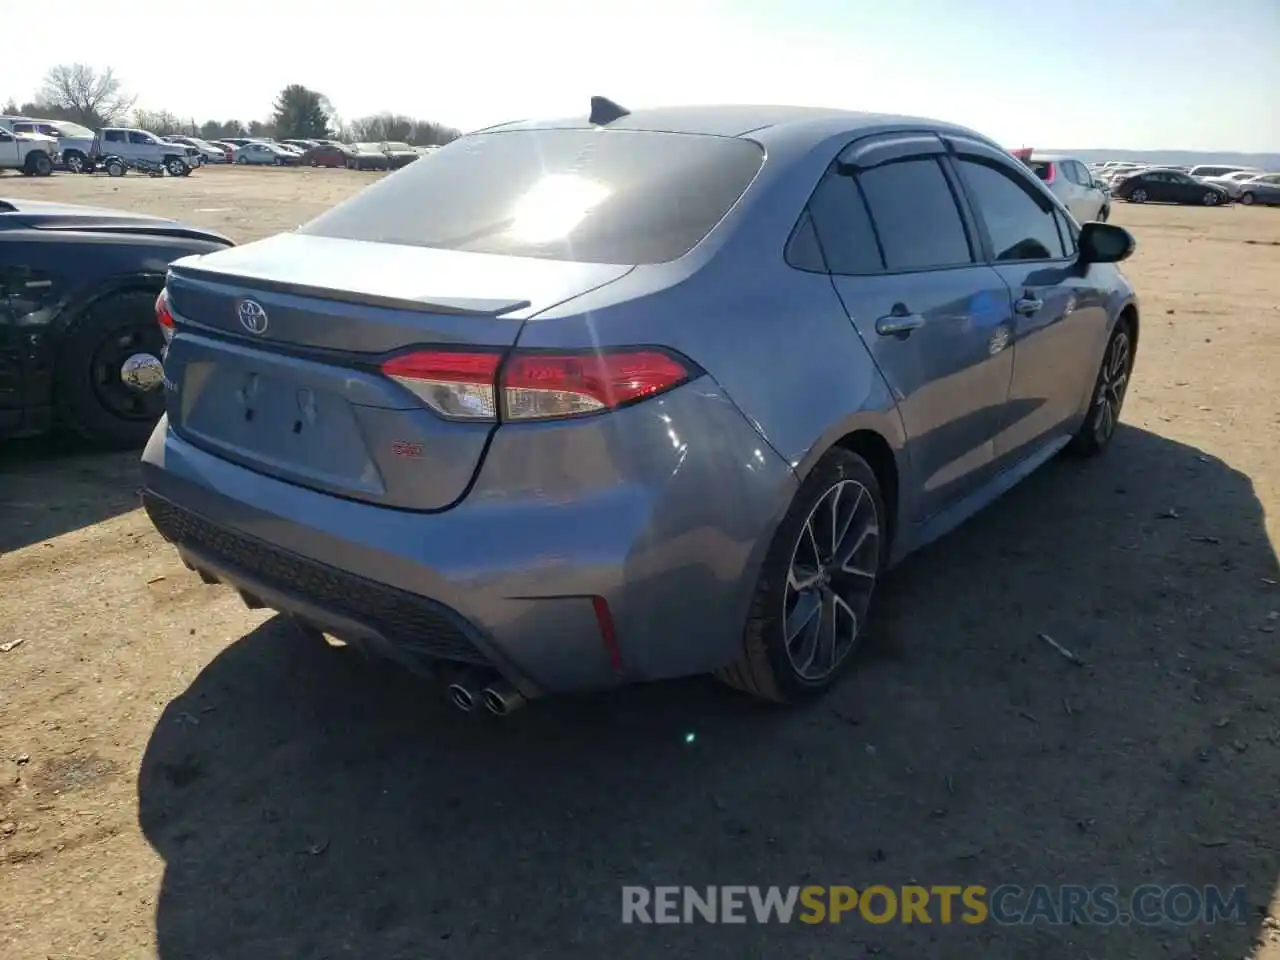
1138 196
833 571
1210 199
1113 382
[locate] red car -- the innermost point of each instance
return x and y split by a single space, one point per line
324 155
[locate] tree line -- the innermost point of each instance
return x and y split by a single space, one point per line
95 98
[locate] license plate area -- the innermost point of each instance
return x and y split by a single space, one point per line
293 428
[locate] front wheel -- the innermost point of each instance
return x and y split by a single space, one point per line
816 585
1138 196
1108 395
115 168
1247 198
177 167
39 164
1210 199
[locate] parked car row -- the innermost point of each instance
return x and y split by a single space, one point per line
263 151
1204 184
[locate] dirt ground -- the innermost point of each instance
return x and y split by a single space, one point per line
180 777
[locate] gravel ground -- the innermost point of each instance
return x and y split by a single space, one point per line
180 777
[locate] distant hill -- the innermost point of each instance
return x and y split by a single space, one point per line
1175 158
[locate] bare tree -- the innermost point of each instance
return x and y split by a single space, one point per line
86 95
160 122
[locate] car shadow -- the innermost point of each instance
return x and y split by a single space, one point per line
50 486
309 803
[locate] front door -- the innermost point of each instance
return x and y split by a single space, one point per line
1060 315
936 321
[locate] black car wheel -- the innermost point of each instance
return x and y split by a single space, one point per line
1211 199
1107 399
1247 198
115 168
177 167
91 398
816 585
1137 196
39 165
74 161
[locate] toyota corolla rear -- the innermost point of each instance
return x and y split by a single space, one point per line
414 422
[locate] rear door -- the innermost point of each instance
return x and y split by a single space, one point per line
1059 315
936 321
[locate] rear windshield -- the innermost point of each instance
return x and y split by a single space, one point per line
1041 168
594 196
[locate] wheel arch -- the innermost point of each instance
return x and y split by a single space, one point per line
145 282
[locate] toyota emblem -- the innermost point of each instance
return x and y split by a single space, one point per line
252 317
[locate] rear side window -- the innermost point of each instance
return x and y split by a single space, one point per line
113 136
843 226
1020 224
595 196
915 215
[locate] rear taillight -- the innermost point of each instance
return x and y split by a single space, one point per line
1050 172
164 316
535 384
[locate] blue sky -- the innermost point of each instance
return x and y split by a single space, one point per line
1141 74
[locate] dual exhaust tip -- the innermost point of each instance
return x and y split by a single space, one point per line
497 696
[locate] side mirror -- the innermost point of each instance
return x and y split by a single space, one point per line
1105 243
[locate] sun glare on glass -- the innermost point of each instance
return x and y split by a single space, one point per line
554 206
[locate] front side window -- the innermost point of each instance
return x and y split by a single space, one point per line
593 196
1021 225
915 216
137 137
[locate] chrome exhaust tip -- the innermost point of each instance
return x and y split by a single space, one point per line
461 697
502 699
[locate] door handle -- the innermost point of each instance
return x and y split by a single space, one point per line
899 324
1028 306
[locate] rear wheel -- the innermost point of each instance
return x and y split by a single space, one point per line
115 168
1108 394
74 161
1247 198
816 584
91 397
1138 196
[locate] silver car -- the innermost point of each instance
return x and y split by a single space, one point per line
1264 189
633 395
1072 183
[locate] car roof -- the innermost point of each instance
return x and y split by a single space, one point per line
738 120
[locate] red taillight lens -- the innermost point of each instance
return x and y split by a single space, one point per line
164 316
535 385
1050 172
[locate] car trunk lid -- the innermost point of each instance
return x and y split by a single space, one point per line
275 360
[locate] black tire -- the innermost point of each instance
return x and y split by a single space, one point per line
765 669
1137 196
40 164
1094 435
115 168
1211 199
74 161
1247 198
176 167
119 322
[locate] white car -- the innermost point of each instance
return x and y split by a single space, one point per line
1072 183
207 151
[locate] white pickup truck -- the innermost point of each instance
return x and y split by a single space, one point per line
32 153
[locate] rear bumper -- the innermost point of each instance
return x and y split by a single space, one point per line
670 538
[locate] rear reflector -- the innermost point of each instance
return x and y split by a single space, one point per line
536 385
